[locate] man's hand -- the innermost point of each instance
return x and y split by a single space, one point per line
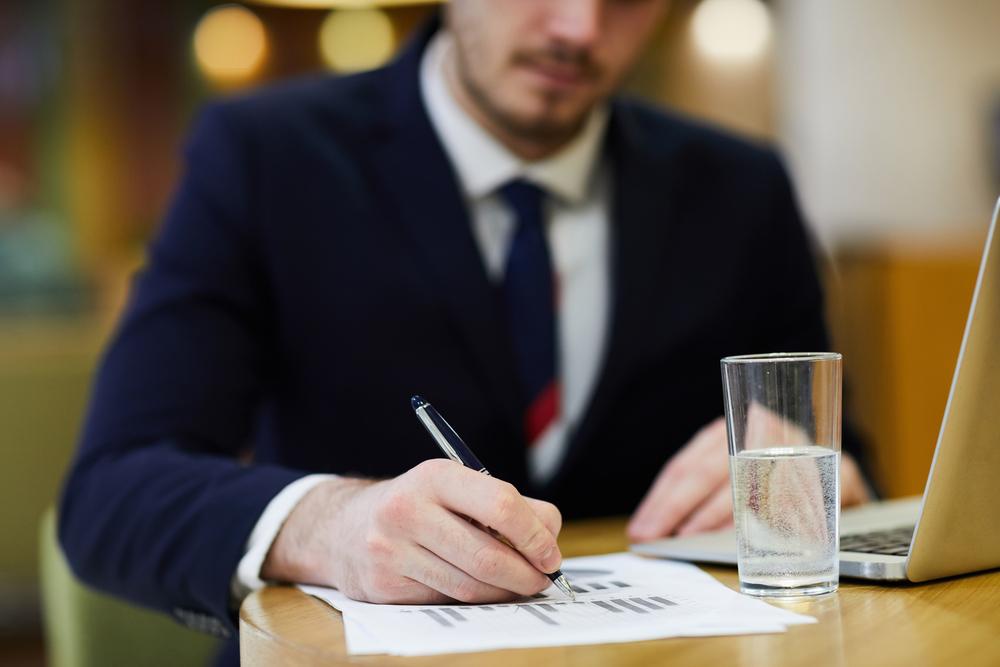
692 493
416 539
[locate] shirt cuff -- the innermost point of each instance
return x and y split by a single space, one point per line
247 579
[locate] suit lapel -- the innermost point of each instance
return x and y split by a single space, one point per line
418 185
643 201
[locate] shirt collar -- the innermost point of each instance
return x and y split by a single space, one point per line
482 163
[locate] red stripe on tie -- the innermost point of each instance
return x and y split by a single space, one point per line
542 412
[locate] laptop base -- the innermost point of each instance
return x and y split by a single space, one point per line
719 548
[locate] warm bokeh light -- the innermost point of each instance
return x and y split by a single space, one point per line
356 39
732 30
230 44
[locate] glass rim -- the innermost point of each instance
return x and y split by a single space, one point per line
782 356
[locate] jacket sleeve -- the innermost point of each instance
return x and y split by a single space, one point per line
157 506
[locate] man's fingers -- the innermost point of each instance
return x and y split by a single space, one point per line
669 501
687 481
497 505
715 513
658 511
795 499
403 591
477 553
426 568
852 485
548 513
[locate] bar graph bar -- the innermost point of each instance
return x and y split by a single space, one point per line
630 606
645 603
441 620
539 614
453 613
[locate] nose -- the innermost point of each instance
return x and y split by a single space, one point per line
575 22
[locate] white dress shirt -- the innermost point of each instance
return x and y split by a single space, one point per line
577 228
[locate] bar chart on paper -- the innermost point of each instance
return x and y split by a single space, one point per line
596 599
620 597
550 613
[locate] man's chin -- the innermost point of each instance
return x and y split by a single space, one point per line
547 124
533 115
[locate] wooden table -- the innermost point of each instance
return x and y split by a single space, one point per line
951 622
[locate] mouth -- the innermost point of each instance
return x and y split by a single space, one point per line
557 75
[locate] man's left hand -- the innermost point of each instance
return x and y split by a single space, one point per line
692 493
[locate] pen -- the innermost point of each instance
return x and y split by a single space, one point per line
456 450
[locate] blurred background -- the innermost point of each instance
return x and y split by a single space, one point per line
887 112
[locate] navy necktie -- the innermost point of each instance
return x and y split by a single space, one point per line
530 295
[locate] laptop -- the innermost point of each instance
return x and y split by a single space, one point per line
954 528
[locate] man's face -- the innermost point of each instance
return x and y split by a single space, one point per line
537 67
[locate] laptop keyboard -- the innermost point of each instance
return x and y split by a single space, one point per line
895 542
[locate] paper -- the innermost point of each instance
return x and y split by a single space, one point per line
620 598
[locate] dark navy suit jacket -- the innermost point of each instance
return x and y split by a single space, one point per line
317 268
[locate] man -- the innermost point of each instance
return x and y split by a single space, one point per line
480 222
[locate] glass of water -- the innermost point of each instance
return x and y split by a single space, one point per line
783 426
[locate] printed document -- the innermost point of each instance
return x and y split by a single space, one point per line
619 598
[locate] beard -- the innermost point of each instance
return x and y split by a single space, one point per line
554 117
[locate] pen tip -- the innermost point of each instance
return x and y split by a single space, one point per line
562 583
417 401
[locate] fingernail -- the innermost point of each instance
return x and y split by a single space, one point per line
551 559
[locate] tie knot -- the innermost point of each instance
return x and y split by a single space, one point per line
524 197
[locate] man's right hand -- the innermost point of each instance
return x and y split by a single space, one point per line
409 540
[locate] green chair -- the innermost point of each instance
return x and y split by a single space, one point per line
84 628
